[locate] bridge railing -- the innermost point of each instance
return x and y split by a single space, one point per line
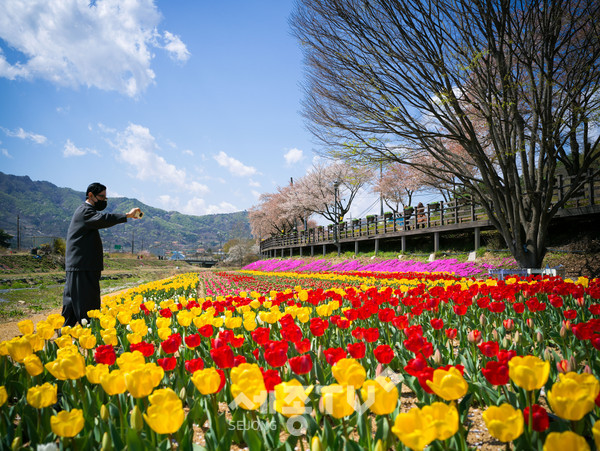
435 214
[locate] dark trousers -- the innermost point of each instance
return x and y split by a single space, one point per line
82 294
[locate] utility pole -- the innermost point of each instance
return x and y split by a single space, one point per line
336 185
380 195
132 241
18 233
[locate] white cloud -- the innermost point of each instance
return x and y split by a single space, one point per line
293 156
253 183
223 207
234 166
22 134
5 153
71 150
138 148
105 44
176 48
188 152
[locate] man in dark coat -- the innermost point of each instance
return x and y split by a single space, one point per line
84 259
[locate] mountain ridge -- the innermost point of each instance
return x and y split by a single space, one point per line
43 210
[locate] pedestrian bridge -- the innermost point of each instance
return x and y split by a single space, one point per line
434 220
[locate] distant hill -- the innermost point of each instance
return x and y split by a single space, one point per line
45 210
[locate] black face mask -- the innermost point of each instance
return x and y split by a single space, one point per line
100 205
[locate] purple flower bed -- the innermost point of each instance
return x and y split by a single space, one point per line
463 269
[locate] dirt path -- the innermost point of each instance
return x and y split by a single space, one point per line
10 329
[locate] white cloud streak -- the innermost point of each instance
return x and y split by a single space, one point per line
235 167
22 134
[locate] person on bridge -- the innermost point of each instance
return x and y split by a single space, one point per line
84 259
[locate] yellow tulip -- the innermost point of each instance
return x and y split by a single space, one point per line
55 320
349 372
33 365
124 318
113 382
129 361
184 318
571 397
248 386
107 322
95 373
87 341
338 400
449 385
67 424
291 397
380 395
162 322
568 440
139 326
165 415
134 338
504 422
25 326
414 429
164 333
64 340
443 418
3 395
233 322
72 366
4 348
109 337
156 371
207 380
36 341
45 329
19 348
139 382
595 430
529 372
41 396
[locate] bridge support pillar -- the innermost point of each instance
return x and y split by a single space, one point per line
312 251
300 251
477 238
324 250
403 241
376 246
356 248
291 251
436 241
281 252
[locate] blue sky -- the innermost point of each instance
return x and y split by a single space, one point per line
186 105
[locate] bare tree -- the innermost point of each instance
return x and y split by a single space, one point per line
513 84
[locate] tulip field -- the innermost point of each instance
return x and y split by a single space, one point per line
283 355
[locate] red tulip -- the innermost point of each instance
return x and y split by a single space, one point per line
260 335
271 378
415 366
332 355
238 360
496 373
222 356
489 348
302 346
437 323
451 333
371 334
206 331
301 364
539 417
504 355
508 324
168 363
384 354
171 344
165 313
474 336
192 341
147 349
356 350
194 365
318 326
105 354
